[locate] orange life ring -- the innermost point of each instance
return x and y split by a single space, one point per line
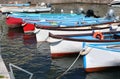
98 35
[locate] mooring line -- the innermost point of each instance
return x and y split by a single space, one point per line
71 65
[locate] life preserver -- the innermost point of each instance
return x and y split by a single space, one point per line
98 35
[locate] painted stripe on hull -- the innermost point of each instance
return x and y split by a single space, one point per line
65 54
101 69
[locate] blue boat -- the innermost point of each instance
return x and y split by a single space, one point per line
65 19
46 16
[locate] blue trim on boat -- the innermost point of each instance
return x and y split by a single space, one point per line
84 61
104 47
104 44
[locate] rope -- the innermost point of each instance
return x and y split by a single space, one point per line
70 65
42 42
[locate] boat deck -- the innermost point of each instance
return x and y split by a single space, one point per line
4 74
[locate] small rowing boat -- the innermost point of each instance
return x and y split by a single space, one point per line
93 46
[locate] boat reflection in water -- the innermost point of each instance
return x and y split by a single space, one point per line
18 33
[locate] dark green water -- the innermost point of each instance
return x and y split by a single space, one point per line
23 51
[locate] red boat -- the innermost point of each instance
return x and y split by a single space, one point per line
13 22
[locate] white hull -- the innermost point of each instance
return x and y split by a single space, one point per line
100 59
25 9
115 3
60 48
43 34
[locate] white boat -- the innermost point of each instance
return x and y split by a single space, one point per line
104 45
115 3
25 9
42 33
102 57
60 47
28 9
15 5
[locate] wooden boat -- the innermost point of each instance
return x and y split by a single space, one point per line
16 19
46 17
115 3
26 9
64 47
13 22
81 20
42 32
15 5
94 46
61 19
29 9
110 52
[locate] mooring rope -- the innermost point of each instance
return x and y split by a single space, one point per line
70 65
42 42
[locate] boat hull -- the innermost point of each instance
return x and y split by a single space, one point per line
61 48
42 33
99 59
13 22
26 9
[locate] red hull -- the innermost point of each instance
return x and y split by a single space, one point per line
101 69
14 22
27 27
58 55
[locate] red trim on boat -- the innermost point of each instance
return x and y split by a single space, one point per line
67 54
100 69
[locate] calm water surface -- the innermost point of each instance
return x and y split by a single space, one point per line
23 51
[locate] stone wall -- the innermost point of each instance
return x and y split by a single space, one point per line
56 1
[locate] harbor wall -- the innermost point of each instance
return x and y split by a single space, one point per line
57 1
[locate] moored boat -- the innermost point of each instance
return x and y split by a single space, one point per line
15 5
43 7
26 9
42 33
115 3
94 46
61 46
77 20
13 22
39 18
102 57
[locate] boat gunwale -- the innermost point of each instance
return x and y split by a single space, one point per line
70 28
62 37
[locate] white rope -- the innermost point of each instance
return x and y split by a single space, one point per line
42 42
71 65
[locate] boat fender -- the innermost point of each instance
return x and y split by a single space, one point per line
113 27
23 24
98 35
86 51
